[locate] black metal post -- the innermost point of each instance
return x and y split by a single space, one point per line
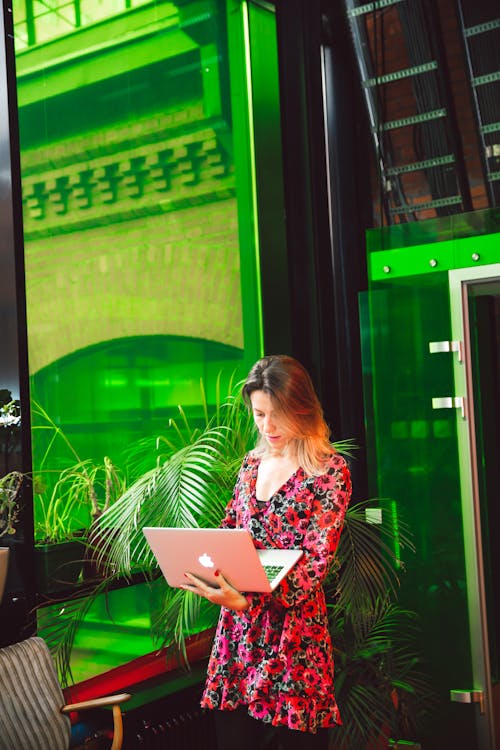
17 606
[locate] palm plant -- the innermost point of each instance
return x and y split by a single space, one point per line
11 487
78 496
10 491
185 478
189 484
380 686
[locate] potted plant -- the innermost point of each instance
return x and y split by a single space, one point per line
67 502
10 431
380 686
10 481
10 493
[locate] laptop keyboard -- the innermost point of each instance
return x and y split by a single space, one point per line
272 571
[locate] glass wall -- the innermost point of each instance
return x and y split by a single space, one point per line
136 215
415 465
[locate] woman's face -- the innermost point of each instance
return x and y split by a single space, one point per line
268 421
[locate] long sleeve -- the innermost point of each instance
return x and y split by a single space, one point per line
311 518
331 495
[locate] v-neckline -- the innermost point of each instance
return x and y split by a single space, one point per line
265 503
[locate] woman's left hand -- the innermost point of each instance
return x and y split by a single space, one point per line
225 595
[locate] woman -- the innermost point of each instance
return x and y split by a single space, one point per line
272 661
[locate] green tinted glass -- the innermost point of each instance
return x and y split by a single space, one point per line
414 465
416 456
139 225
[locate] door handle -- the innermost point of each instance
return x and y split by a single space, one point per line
435 347
450 402
468 696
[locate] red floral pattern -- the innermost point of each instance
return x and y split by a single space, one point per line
276 657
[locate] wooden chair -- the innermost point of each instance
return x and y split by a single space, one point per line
4 561
32 711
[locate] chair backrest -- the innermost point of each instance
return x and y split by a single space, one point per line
4 561
31 699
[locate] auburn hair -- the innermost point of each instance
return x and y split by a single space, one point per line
291 390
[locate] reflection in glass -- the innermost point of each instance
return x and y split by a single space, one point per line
130 212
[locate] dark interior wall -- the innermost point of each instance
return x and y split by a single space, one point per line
9 375
327 205
14 359
18 600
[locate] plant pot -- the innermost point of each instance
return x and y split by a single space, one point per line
58 565
95 565
4 563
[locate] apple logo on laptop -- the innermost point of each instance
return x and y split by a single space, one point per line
206 560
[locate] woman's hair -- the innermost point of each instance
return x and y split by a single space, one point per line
290 388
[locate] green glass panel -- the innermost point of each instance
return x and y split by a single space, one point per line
49 21
410 234
140 222
129 388
414 471
117 628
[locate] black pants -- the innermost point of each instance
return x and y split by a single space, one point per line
236 730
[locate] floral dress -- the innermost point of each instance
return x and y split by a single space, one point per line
276 656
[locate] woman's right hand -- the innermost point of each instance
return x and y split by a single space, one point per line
224 595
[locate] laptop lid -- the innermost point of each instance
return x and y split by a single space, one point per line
231 551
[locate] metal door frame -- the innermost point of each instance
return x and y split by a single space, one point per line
459 282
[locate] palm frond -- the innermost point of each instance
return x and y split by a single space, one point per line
346 447
180 492
60 623
366 564
182 615
188 483
377 664
366 714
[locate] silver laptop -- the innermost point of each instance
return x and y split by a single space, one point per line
231 551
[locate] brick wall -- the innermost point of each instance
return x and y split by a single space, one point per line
131 232
396 100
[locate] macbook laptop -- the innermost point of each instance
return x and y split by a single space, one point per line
231 551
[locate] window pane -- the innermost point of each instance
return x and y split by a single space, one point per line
132 237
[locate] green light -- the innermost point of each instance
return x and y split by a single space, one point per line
137 263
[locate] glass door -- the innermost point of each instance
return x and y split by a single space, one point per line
431 368
415 476
475 320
